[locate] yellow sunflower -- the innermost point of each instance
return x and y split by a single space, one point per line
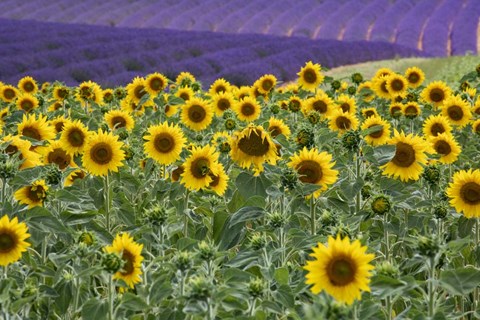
28 85
379 87
164 143
445 145
119 119
59 123
16 144
136 89
107 96
380 136
26 102
347 103
88 92
74 136
242 92
223 101
55 153
219 181
185 79
464 193
155 83
103 153
365 92
411 110
321 103
436 124
60 93
186 93
12 240
219 86
199 167
8 93
131 253
415 77
77 174
4 113
456 110
266 83
277 127
314 167
342 121
409 157
370 112
253 146
342 269
197 114
476 126
382 72
436 93
396 110
396 85
33 195
54 106
247 109
37 129
310 76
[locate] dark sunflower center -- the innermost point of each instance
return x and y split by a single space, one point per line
220 88
164 142
56 106
101 153
128 266
185 96
86 92
26 105
36 193
383 86
477 128
200 168
274 131
254 145
376 134
437 95
413 77
60 158
411 111
442 147
7 242
11 150
247 109
395 110
78 175
223 104
119 122
341 271
156 84
76 138
295 105
470 193
397 85
139 91
28 86
320 106
345 107
343 123
309 76
404 155
436 129
177 173
215 180
309 171
196 113
59 126
369 113
62 93
31 133
108 97
267 84
9 93
455 113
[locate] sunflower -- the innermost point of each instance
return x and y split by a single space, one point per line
365 91
12 240
16 144
247 109
219 181
33 195
59 123
60 92
36 129
4 113
26 102
342 121
409 156
396 85
342 269
136 89
77 174
186 93
411 110
103 153
199 167
131 253
379 137
415 77
128 105
277 127
107 96
310 77
74 136
321 103
476 126
456 110
445 145
436 124
266 83
242 92
347 104
476 107
222 101
379 87
54 106
164 143
88 92
369 112
382 72
295 103
218 86
28 85
253 146
464 192
197 114
55 153
8 93
396 110
155 83
119 119
314 167
185 79
436 93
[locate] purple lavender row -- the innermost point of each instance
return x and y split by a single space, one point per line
359 26
284 23
465 30
260 21
385 27
309 24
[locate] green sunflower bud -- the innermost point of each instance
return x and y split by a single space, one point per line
206 251
336 85
313 117
157 215
366 191
8 167
199 288
327 218
183 260
257 241
380 205
351 140
440 211
112 262
230 124
289 178
477 68
53 175
351 90
257 287
386 268
87 238
276 220
428 246
357 78
432 174
274 108
305 138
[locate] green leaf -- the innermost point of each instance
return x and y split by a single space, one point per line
232 231
372 129
281 275
65 291
160 290
460 281
285 296
249 185
133 302
383 286
95 309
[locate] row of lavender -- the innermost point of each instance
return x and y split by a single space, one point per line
438 27
113 56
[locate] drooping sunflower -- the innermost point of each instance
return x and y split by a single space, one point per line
74 136
266 83
347 103
197 114
222 101
60 93
253 146
436 124
415 77
365 92
219 181
445 145
456 110
12 240
103 153
186 93
37 129
26 102
342 121
342 269
55 153
116 119
295 104
277 127
164 143
397 85
379 137
379 87
131 253
136 89
314 167
128 105
369 112
436 93
310 76
28 85
8 93
247 109
218 86
77 174
464 192
30 159
155 83
199 167
32 195
411 110
321 103
409 157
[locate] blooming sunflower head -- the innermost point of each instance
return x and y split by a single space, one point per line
27 102
320 103
266 83
116 119
17 145
28 85
222 102
8 93
199 167
36 129
456 110
310 76
136 89
219 86
32 195
155 83
247 109
411 110
464 192
12 240
445 145
415 77
56 154
435 125
347 103
436 93
341 121
102 154
381 134
396 85
277 127
164 143
74 136
197 114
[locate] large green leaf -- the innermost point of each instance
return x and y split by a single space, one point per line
460 281
95 309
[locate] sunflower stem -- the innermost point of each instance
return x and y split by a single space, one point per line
385 233
431 291
388 305
110 298
107 203
185 214
476 294
357 173
312 215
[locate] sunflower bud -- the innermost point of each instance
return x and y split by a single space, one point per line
53 175
386 268
257 241
224 147
351 140
104 109
412 97
120 93
432 174
196 86
357 78
341 230
183 260
156 215
206 251
230 124
86 238
305 138
122 134
336 85
327 218
112 262
380 205
477 68
199 288
257 287
289 178
351 90
464 86
274 108
366 191
440 211
428 246
276 220
8 168
313 117
29 290
81 250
